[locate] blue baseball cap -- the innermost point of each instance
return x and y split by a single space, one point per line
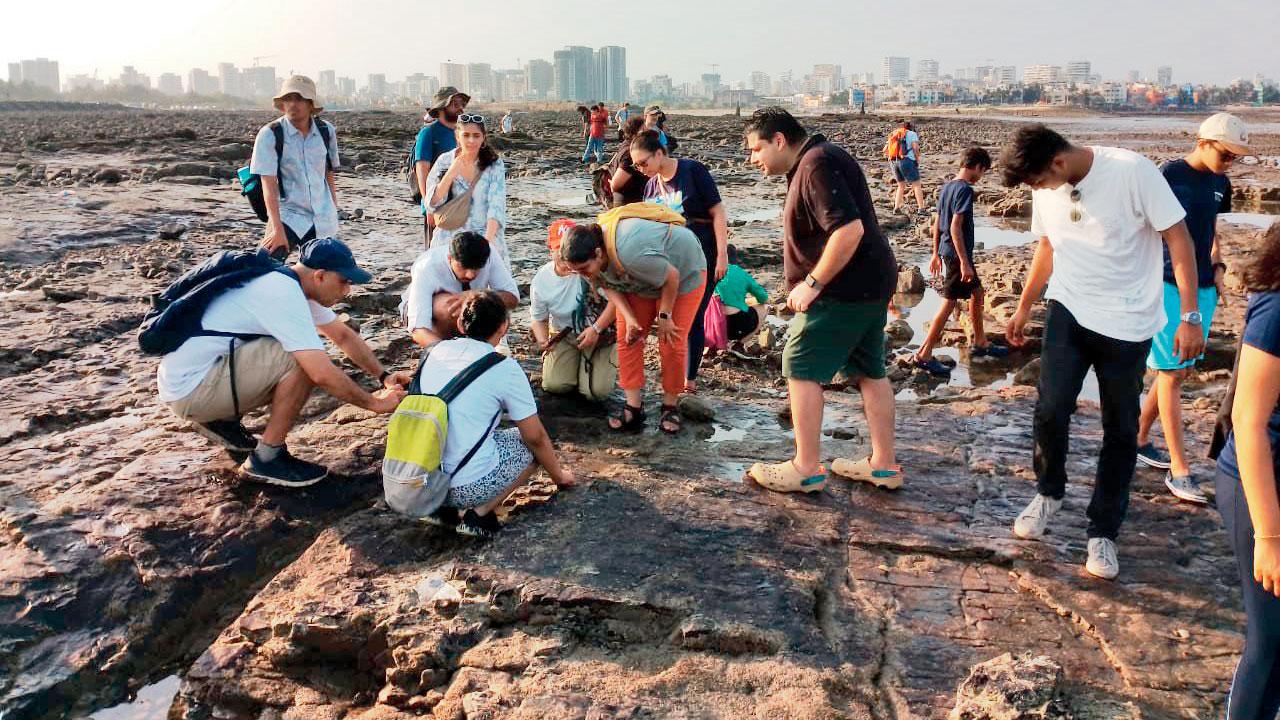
332 254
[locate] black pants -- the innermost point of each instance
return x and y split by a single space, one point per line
1069 351
697 333
295 242
1255 691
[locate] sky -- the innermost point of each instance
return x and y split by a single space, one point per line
680 38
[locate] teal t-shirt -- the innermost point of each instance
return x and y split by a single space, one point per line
734 287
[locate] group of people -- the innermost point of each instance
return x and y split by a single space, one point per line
1127 260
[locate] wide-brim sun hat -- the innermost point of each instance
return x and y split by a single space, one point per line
443 97
304 86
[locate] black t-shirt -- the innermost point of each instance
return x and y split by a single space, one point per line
633 191
1203 195
826 190
956 197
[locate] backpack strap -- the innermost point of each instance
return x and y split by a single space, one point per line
469 375
323 127
278 130
474 448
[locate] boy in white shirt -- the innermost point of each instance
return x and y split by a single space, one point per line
1100 214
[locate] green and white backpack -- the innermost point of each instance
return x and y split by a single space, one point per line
413 480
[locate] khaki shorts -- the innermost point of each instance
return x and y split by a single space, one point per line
260 366
593 374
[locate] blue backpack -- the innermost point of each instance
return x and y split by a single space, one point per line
251 182
177 313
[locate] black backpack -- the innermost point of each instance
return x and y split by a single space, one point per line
411 163
251 183
176 313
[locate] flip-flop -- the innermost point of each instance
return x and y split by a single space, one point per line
783 477
862 471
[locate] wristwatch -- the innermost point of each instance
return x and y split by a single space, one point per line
664 315
1191 318
812 282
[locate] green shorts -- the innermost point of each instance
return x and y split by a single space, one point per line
835 336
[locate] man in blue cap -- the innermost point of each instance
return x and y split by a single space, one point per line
213 380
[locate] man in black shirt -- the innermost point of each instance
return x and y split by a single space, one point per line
840 273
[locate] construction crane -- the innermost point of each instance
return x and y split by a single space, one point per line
256 58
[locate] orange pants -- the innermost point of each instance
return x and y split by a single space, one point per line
674 355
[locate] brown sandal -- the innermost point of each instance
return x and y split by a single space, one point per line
670 416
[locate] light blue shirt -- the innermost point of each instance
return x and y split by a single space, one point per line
488 202
307 200
912 139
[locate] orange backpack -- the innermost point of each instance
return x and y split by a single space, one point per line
896 148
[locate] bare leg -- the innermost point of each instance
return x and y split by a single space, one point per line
524 477
806 416
877 403
290 395
1169 397
935 330
898 194
976 305
1150 413
919 194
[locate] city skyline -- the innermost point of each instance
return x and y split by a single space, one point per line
386 37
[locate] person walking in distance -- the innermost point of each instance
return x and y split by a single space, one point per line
1100 214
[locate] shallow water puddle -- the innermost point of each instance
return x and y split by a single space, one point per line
152 703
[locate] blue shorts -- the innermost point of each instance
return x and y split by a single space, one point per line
1162 356
906 170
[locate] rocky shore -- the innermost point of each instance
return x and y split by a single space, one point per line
663 587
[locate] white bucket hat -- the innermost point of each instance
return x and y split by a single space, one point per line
303 86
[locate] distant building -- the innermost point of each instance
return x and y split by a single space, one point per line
509 85
1135 76
575 73
259 82
709 85
1115 93
480 81
229 80
327 83
199 82
15 73
896 70
540 79
419 87
170 84
661 86
1078 72
82 82
863 78
759 83
927 71
1164 76
41 72
453 75
1005 75
130 77
377 87
1042 74
611 74
346 87
827 79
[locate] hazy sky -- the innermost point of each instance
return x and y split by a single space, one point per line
1209 42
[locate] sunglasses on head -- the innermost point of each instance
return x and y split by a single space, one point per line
471 118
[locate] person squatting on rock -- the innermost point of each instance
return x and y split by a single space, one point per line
578 350
741 319
436 138
281 367
1100 214
443 278
472 169
686 186
1247 488
659 272
308 207
508 457
953 259
840 274
1200 183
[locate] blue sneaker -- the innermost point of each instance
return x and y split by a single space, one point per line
934 367
285 470
991 350
1151 457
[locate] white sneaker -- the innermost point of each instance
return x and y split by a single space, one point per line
1032 522
1102 559
1184 487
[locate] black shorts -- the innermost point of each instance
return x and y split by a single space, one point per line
953 288
741 324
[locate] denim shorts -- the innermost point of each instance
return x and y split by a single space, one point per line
906 170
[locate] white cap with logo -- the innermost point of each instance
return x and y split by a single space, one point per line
1228 130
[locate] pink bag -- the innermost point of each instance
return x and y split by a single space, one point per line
715 326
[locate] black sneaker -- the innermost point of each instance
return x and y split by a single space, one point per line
286 470
1151 457
444 517
481 526
230 434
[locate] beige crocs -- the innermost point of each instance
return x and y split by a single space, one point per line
783 477
861 470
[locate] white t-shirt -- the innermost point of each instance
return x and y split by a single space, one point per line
431 274
269 305
502 387
554 296
1108 268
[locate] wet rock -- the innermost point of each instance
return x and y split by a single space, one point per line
910 280
233 151
1028 374
108 176
171 231
1009 688
1016 203
898 333
696 409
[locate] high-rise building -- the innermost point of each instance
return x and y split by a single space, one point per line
1042 74
540 79
785 84
229 80
1078 71
564 75
327 83
826 79
346 87
759 83
708 85
170 84
479 82
509 85
130 77
927 71
199 82
453 75
1005 75
584 72
896 70
259 82
1164 76
41 72
82 82
661 86
15 73
611 73
419 87
1135 76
